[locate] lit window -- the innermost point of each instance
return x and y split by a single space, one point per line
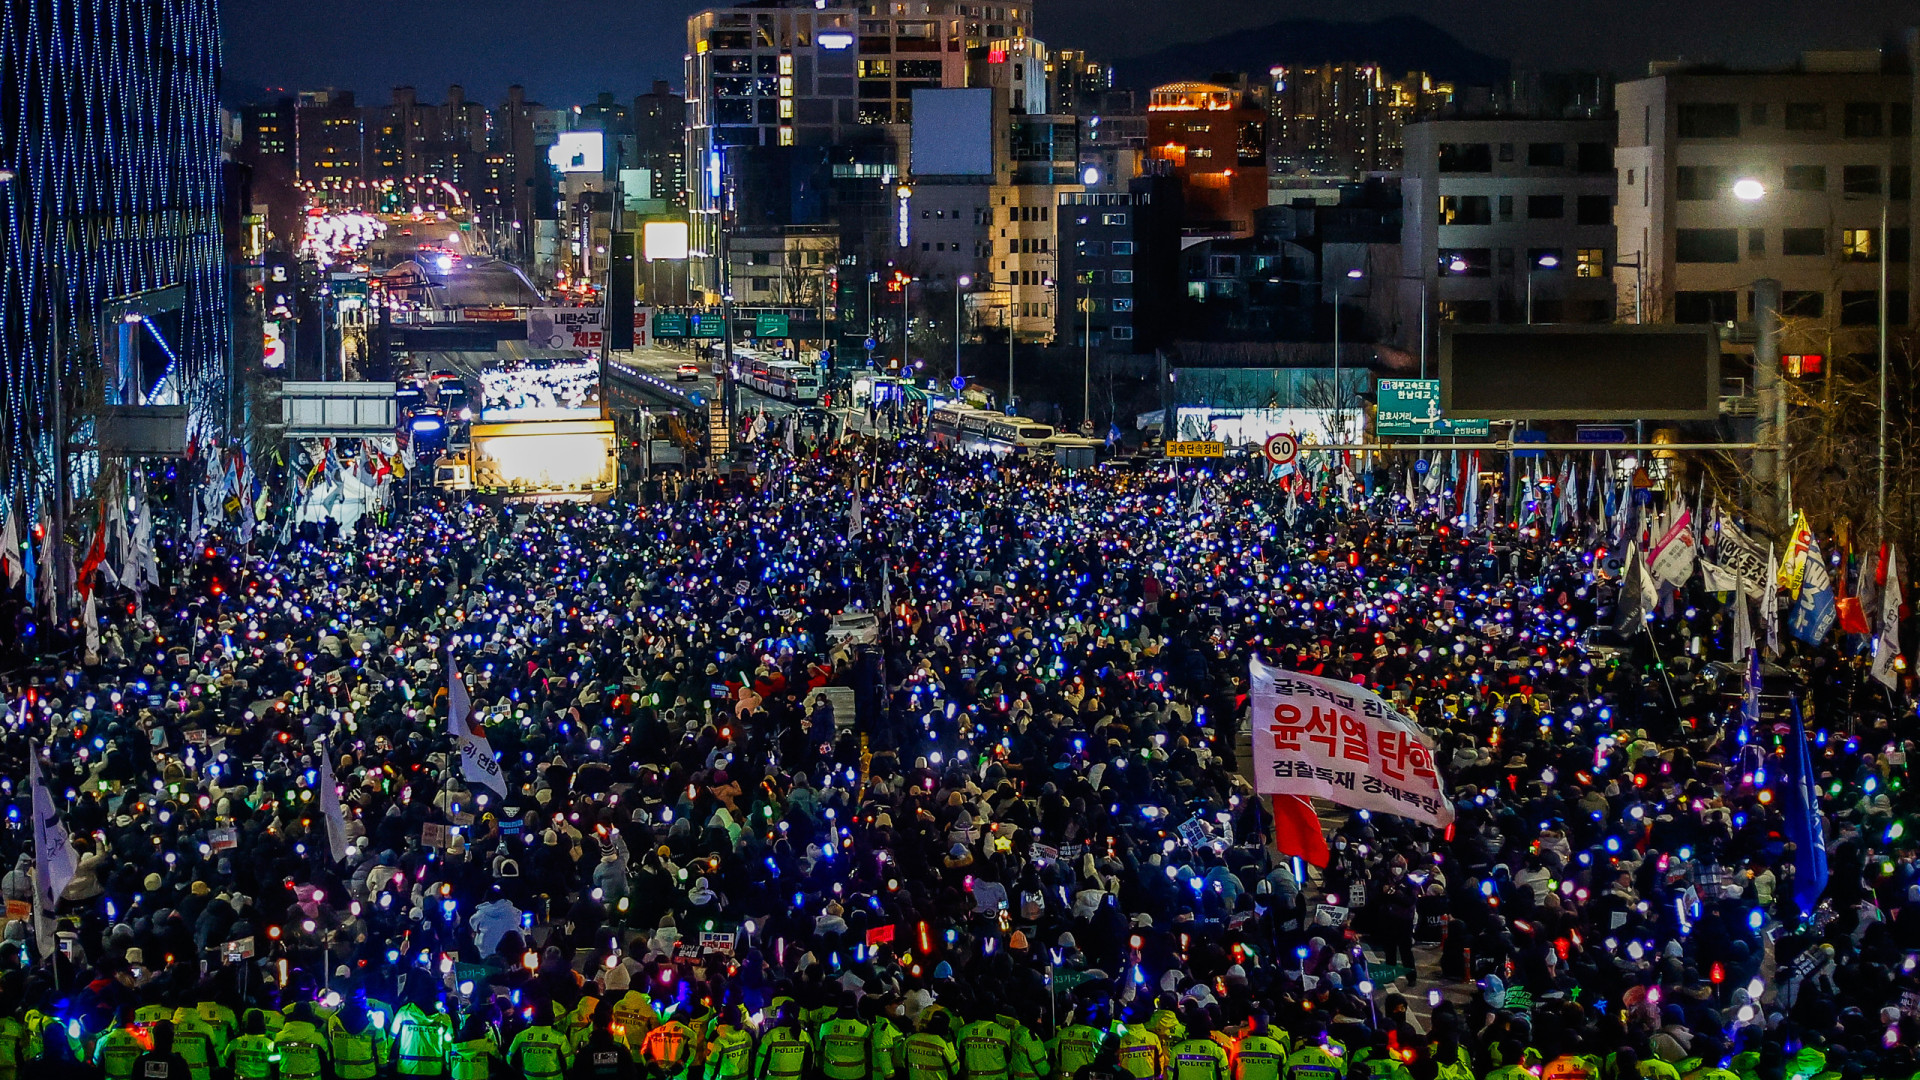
1589 262
786 136
1858 245
786 63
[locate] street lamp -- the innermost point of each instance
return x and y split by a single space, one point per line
1749 190
1548 261
959 283
1339 399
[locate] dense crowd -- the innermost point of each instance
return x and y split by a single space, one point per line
1010 839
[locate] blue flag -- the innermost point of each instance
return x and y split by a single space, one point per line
1804 826
1814 612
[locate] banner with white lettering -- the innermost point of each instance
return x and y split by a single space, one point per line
1339 742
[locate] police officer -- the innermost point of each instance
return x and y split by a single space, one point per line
1258 1055
162 1062
785 1050
930 1054
844 1043
1199 1056
422 1037
1142 1055
1076 1046
253 1053
474 1050
119 1047
602 1056
729 1051
540 1051
355 1044
986 1047
301 1045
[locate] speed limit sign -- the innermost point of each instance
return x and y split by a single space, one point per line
1282 448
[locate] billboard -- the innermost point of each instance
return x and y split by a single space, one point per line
555 460
541 390
953 132
665 240
273 346
566 328
1577 372
579 152
642 327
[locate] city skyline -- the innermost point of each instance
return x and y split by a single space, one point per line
598 45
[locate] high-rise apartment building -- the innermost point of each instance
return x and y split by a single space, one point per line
1728 177
1343 120
770 74
329 140
659 123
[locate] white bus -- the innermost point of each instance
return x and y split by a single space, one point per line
787 380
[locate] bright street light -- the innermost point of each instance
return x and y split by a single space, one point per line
1749 190
1548 262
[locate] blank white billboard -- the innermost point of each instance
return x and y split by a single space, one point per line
953 132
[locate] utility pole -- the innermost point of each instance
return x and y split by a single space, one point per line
1880 496
1770 428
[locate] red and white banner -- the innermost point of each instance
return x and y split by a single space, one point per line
1671 557
1332 740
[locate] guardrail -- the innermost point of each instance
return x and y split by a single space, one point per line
653 382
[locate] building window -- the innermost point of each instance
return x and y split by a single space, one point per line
1466 311
1113 219
1707 245
1122 303
1547 155
1806 116
1466 262
1590 262
1756 242
1464 210
1806 178
1546 207
1121 333
1859 245
1708 121
1466 157
1123 277
1898 243
1861 120
1692 183
1123 247
760 284
1860 308
1757 114
1900 120
1092 247
1860 179
1506 151
1594 157
1705 307
1797 304
1803 241
1506 208
1593 210
1900 182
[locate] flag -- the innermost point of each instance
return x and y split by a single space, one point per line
330 811
1296 829
1671 557
90 616
1750 703
1813 614
855 515
1794 565
477 763
96 553
1638 593
1770 604
53 859
10 550
1886 648
1743 642
1804 826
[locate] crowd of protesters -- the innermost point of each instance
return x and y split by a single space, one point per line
1003 832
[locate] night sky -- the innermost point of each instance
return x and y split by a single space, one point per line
564 51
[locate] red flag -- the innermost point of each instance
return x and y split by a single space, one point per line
96 553
1296 829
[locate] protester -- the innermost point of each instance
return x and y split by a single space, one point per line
685 819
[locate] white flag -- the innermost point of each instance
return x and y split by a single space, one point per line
1742 627
477 763
54 862
10 550
330 811
91 617
1770 603
855 515
1886 648
1638 593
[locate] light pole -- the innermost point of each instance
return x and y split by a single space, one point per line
1086 359
1339 398
959 283
906 324
1548 261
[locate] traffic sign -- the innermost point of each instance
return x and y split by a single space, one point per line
1196 449
959 382
667 324
1282 448
1420 466
709 326
1412 407
772 324
870 343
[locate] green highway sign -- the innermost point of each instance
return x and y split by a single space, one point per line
774 324
709 326
667 324
1412 407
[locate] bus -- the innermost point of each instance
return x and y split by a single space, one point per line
951 425
788 380
991 433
